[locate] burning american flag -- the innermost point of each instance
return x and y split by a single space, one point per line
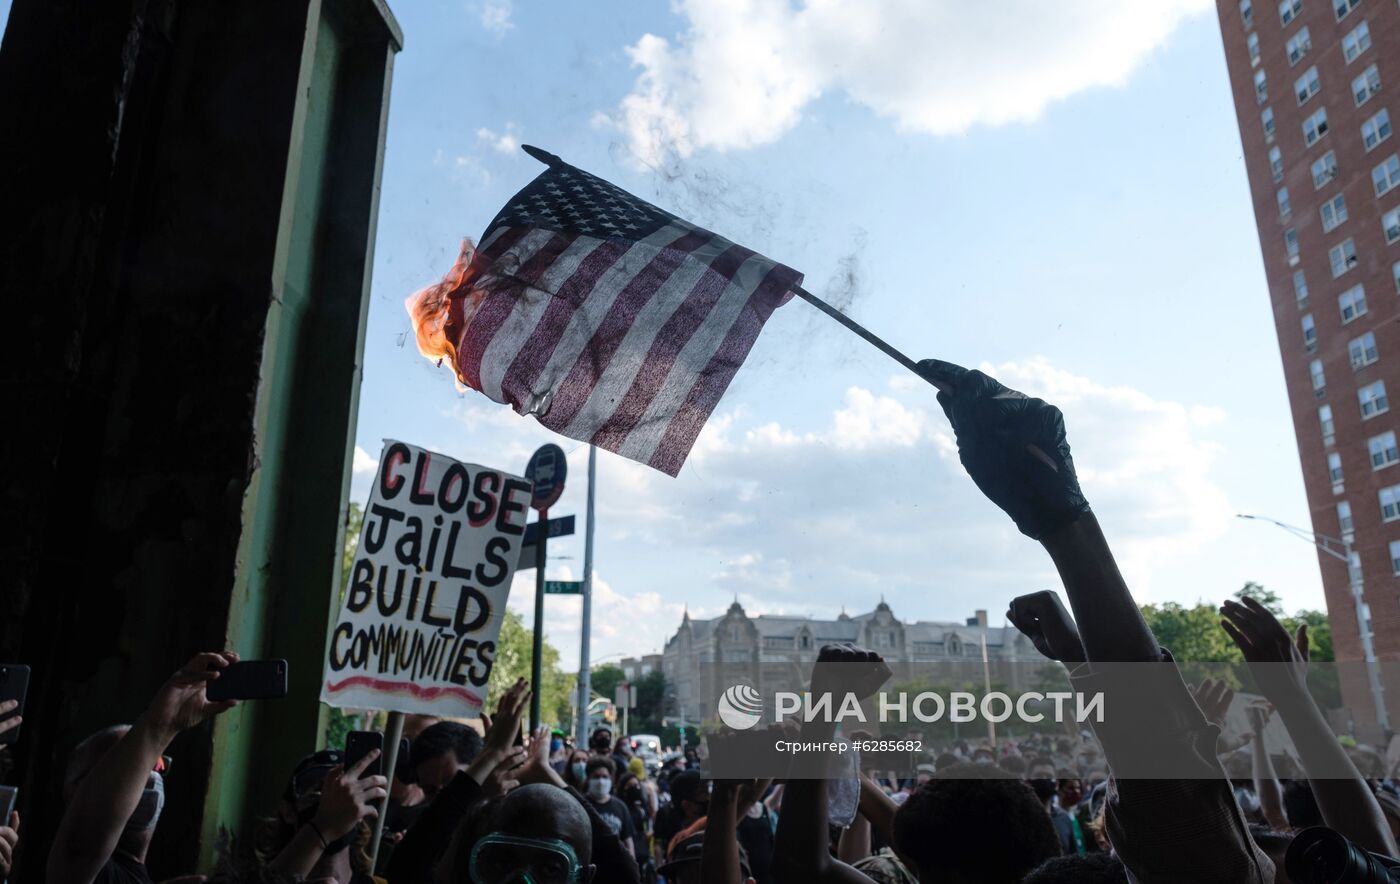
611 321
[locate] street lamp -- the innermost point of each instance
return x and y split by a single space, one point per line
1340 548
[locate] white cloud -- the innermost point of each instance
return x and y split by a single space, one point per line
495 16
743 71
877 500
363 462
507 142
464 169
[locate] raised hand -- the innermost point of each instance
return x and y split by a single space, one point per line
506 774
845 668
1043 619
1013 447
1214 698
537 768
1278 661
348 797
503 728
181 702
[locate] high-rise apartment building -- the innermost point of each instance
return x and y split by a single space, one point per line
1316 86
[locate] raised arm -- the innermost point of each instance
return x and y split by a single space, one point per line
1279 664
1016 451
719 863
800 853
1266 784
108 795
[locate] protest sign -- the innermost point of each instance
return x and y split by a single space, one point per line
427 592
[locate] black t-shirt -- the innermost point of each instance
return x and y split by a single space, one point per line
123 870
616 815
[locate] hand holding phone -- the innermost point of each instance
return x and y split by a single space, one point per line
14 685
358 744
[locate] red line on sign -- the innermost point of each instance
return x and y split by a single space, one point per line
403 687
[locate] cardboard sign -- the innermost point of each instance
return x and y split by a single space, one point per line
427 593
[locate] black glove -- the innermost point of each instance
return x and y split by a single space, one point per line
1012 446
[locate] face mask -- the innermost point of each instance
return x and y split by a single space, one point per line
580 769
599 788
147 812
555 745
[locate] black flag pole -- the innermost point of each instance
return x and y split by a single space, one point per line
862 331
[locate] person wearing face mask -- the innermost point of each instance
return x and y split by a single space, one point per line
575 772
599 791
1043 780
320 832
114 785
633 797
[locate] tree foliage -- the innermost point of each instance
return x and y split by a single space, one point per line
514 655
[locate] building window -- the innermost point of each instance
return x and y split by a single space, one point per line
1252 42
1329 429
1324 169
1390 223
1304 87
1372 399
1395 275
1276 163
1261 87
1285 209
1290 242
1352 303
1376 129
1266 117
1362 351
1342 257
1334 471
1309 333
1298 46
1319 378
1366 85
1395 557
1341 8
1289 9
1385 176
1247 12
1333 213
1300 288
1315 126
1345 524
1383 450
1390 503
1357 41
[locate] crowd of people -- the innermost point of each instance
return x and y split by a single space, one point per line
500 805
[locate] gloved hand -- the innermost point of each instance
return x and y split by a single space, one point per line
1012 446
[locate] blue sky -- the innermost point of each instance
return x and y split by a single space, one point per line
1052 191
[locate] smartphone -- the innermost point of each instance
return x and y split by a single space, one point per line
249 680
14 684
9 795
357 746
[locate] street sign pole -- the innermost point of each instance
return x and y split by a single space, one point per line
584 674
537 647
546 471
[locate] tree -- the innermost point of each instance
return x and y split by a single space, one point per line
1191 634
514 654
651 702
604 680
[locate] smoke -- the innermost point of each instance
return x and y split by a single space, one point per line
848 280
